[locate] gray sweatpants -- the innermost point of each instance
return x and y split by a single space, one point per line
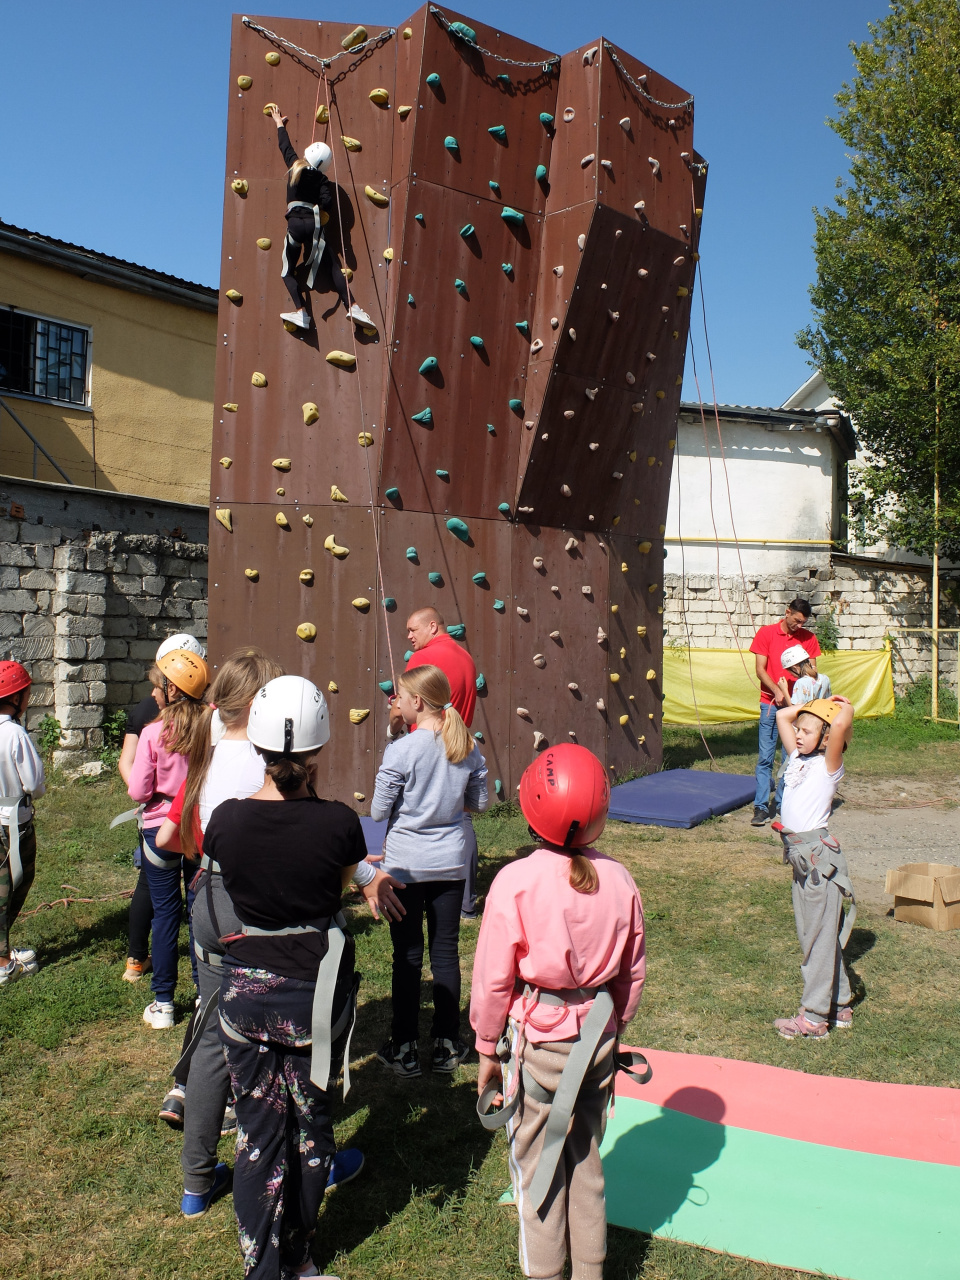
818 910
208 1083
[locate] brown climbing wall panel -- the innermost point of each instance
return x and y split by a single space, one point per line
512 420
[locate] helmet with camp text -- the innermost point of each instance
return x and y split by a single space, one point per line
181 641
565 796
13 678
289 717
318 156
187 671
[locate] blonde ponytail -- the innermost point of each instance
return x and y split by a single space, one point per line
430 684
457 742
583 874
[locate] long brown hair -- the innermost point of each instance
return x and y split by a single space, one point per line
583 874
430 684
241 675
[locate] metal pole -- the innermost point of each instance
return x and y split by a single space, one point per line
935 576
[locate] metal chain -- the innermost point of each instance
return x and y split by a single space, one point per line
305 53
671 106
444 21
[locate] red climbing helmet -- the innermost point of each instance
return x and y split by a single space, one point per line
13 678
565 796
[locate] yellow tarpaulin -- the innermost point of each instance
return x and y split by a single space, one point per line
727 689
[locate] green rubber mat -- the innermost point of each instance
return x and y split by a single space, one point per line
779 1200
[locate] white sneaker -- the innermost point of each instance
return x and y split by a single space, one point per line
358 315
27 958
300 318
158 1016
11 972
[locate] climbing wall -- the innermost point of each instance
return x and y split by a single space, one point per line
522 230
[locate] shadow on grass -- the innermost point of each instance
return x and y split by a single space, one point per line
683 747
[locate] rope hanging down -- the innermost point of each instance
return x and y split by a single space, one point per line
305 53
638 88
444 21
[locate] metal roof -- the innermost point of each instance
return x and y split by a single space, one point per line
833 421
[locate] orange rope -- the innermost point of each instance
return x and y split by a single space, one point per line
65 902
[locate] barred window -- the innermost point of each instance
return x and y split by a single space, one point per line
43 357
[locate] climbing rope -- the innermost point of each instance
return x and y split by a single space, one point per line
638 88
324 63
65 902
444 21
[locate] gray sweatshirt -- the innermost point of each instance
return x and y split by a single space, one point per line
423 796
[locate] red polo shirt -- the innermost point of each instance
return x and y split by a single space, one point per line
457 665
772 641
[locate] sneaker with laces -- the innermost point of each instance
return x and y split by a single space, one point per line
404 1059
171 1109
300 318
358 315
158 1015
842 1019
194 1205
228 1126
760 816
136 969
344 1167
801 1027
11 971
27 958
448 1054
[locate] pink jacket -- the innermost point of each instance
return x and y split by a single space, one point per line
156 775
536 927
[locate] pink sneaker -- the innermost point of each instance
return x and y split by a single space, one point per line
842 1019
800 1026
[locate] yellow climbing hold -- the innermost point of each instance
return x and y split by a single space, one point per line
234 295
259 379
614 677
663 528
624 566
403 112
644 546
342 359
408 35
623 652
661 394
616 521
671 444
376 197
225 517
310 413
380 96
356 36
651 674
268 108
323 114
226 463
351 144
330 544
641 632
281 492
361 603
641 739
614 608
307 631
359 796
244 81
632 455
388 255
336 495
654 586
281 464
682 292
282 520
306 577
358 714
308 521
348 274
624 719
252 574
333 687
264 242
365 439
231 407
240 186
272 57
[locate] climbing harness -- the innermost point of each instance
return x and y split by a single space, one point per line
563 1101
10 811
291 250
816 854
202 1016
128 815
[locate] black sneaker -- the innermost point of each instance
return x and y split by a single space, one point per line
760 816
404 1059
448 1054
171 1109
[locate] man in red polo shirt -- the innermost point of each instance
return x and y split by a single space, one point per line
427 637
768 645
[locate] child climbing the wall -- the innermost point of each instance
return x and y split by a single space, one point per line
815 737
558 974
21 778
310 197
425 784
808 683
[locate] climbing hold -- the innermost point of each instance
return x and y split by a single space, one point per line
425 416
568 114
306 577
226 463
464 32
268 108
393 494
524 613
264 242
380 96
614 316
476 342
452 145
499 606
336 495
498 787
387 257
536 346
637 407
323 114
523 326
376 197
359 796
240 186
403 112
654 586
252 574
504 508
365 439
273 58
504 78
389 602
385 686
481 682
408 655
358 714
530 425
458 528
333 687
651 674
589 56
641 631
231 407
506 268
581 241
410 300
624 719
511 216
444 475
356 36
632 455
491 428
457 631
654 165
570 544
408 33
281 464
538 739
308 521
351 144
342 359
430 364
591 392
541 173
539 660
608 165
461 287
347 271
572 335
589 159
433 80
234 296
467 230
538 562
498 131
361 603
307 631
282 520
601 635
259 379
523 713
671 444
625 124
568 413
280 492
566 490
516 405
623 652
682 292
661 394
593 447
411 553
310 413
244 81
601 705
479 578
641 739
587 590
494 186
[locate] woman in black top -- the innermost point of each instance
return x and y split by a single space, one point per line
310 197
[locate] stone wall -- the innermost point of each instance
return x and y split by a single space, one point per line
90 583
870 600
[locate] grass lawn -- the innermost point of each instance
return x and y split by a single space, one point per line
91 1179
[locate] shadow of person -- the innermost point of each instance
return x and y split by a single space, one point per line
650 1169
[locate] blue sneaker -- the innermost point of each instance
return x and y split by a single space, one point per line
345 1167
195 1206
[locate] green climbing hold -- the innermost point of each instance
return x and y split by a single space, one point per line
458 528
541 172
389 602
412 553
479 736
480 578
491 428
393 494
419 218
425 416
463 31
481 682
524 327
498 131
461 287
494 187
408 655
546 119
506 268
433 80
410 301
504 508
386 687
516 405
430 364
498 786
451 143
476 342
512 216
504 78
443 475
499 606
458 631
467 230
435 579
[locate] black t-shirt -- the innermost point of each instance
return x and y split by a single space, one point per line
312 186
281 863
144 713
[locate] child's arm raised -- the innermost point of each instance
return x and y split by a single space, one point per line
788 736
841 731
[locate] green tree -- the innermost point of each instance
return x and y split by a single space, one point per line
887 296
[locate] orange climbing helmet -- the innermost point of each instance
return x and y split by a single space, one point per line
187 671
565 796
13 678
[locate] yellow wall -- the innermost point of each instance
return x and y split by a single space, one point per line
151 389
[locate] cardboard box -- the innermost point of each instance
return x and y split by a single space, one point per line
926 893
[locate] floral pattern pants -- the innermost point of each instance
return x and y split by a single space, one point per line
285 1142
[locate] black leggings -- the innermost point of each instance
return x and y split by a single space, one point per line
141 917
440 901
300 231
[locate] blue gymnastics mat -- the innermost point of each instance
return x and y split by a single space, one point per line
373 833
680 797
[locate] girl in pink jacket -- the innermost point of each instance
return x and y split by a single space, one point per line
558 975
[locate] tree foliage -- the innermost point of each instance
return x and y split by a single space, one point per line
887 296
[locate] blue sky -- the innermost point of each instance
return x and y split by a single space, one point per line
115 120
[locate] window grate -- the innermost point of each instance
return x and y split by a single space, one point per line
43 358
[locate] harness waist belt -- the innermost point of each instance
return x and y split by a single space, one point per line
817 854
312 259
208 864
10 809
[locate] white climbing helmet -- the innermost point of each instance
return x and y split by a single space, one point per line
182 641
793 656
318 156
289 716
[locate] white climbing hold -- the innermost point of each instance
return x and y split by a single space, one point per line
535 346
601 635
572 334
554 635
523 713
589 56
554 322
568 114
581 241
573 687
568 413
625 124
637 406
651 356
565 490
538 739
639 207
591 392
593 447
530 424
588 159
654 165
569 545
544 435
607 164
539 660
558 271
555 589
678 262
601 705
571 733
631 379
587 590
614 315
523 613
538 562
643 272
617 234
527 511
618 475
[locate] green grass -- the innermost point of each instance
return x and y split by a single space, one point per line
91 1180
